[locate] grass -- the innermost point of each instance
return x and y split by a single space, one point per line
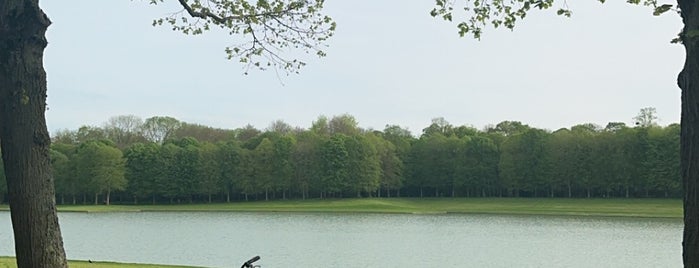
654 208
9 262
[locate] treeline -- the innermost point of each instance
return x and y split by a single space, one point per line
163 160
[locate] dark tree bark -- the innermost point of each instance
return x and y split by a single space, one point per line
24 137
688 81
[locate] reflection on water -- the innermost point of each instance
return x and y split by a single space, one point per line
221 239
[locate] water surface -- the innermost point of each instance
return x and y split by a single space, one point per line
226 239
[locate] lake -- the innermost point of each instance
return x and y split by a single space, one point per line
226 239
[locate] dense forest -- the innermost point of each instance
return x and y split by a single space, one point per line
163 160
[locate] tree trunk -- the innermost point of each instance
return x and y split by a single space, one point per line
23 135
109 193
688 81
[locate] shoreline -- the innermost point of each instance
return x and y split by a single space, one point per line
9 261
632 208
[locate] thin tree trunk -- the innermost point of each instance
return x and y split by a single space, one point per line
688 81
627 191
109 192
23 135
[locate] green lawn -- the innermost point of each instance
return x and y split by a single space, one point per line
9 262
665 208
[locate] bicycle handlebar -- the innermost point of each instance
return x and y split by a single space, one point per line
248 264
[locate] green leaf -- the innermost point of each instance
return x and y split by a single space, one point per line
661 9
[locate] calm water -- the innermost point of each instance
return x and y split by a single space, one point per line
366 240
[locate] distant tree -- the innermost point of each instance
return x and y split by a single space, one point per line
561 159
615 126
647 117
583 155
344 124
246 133
247 180
480 165
231 161
187 167
439 126
263 168
62 174
522 162
508 128
281 127
334 159
66 178
124 130
662 161
402 140
65 136
465 131
282 165
321 126
169 171
391 165
210 180
90 133
363 166
203 133
143 170
101 165
160 128
307 162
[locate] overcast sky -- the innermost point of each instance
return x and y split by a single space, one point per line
389 63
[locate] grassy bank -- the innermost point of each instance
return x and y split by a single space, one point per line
9 262
665 208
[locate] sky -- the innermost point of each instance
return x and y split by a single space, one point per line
389 62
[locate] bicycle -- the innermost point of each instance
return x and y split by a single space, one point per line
248 264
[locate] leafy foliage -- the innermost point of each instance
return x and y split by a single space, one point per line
271 28
336 158
474 15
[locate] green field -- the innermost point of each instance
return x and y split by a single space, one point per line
665 208
9 262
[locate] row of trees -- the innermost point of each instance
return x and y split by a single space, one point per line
179 162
